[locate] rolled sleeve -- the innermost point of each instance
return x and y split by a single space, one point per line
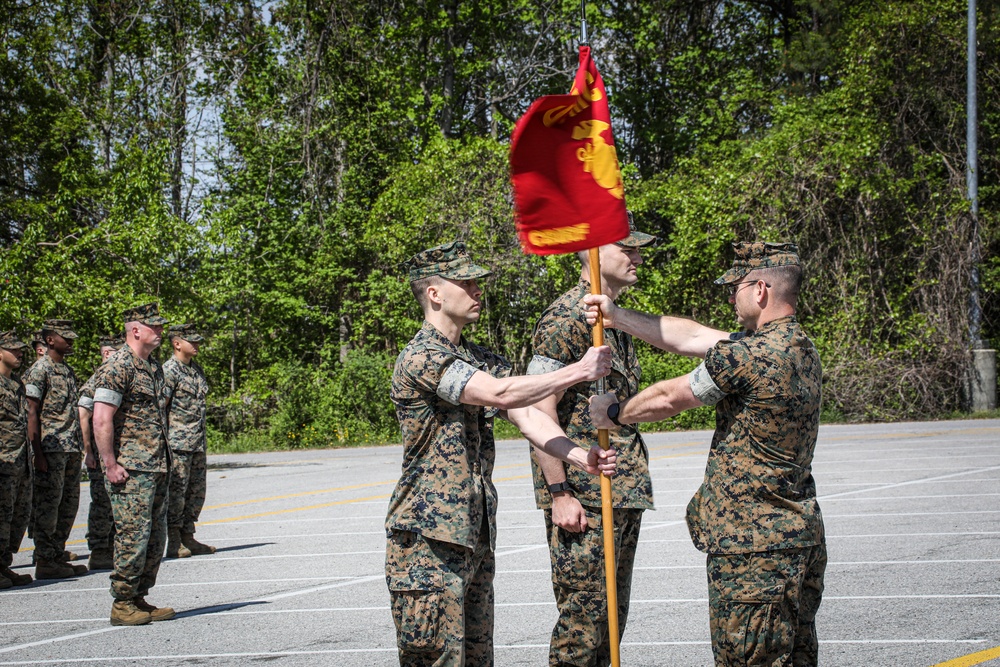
32 391
86 402
540 365
102 395
454 380
703 386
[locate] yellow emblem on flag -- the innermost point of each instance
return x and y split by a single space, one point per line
599 158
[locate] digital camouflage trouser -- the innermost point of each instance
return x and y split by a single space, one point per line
188 480
580 636
140 509
100 520
56 498
15 509
762 607
442 600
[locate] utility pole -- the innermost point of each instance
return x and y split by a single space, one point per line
983 375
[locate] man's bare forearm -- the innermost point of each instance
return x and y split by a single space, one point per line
104 438
677 335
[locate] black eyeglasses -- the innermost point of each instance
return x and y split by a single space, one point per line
733 288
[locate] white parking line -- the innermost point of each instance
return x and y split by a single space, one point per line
925 497
500 647
925 480
898 514
385 607
48 590
198 612
835 536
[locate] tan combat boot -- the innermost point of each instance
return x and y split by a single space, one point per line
68 555
157 613
100 559
174 547
14 577
49 570
124 612
196 547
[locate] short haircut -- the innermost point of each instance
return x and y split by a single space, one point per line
785 281
45 335
419 288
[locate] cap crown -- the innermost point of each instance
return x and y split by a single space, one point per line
111 341
147 314
186 331
450 260
759 255
10 341
635 238
62 327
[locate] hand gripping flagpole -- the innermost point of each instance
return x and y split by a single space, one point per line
607 508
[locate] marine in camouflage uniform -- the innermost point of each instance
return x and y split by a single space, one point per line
54 431
576 552
756 513
185 388
38 345
100 520
130 434
15 470
441 523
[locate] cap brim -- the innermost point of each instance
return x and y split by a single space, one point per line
155 320
731 276
16 345
637 240
194 338
467 272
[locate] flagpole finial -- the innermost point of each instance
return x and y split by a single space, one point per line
583 21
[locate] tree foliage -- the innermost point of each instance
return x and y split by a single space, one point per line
264 169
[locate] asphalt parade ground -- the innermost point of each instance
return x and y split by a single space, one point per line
912 514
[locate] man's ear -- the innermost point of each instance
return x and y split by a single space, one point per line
433 293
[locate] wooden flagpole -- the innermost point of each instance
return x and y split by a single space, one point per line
607 508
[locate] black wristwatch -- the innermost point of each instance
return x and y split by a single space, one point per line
613 411
561 486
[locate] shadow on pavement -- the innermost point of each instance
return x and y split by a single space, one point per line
215 609
241 547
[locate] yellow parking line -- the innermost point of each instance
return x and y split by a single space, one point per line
260 514
972 659
292 509
914 434
252 501
331 504
694 443
676 456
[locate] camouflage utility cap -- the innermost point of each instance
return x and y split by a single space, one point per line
186 332
111 341
10 341
36 339
62 327
635 238
450 260
148 314
751 256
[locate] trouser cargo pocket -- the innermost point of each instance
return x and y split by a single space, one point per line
416 608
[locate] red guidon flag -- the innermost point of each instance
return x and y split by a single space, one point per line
568 191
